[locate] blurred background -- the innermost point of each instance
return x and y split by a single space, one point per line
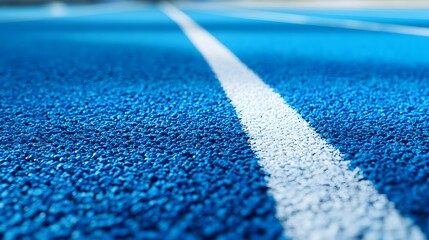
37 2
316 2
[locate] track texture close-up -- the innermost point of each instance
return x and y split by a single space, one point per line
179 122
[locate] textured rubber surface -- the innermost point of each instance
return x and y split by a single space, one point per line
308 178
109 129
366 93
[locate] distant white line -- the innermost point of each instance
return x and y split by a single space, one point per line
333 4
326 22
317 196
60 10
373 14
313 5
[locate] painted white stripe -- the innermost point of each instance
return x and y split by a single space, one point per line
376 15
326 22
333 4
58 9
317 196
321 4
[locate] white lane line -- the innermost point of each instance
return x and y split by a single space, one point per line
61 10
326 22
335 4
308 5
374 14
57 9
317 196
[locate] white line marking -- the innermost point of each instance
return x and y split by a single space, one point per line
317 196
326 22
58 9
62 11
372 14
321 4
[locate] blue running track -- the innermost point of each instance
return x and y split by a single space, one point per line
121 133
113 126
366 93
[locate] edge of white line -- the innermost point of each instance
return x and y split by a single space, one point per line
327 22
317 196
321 4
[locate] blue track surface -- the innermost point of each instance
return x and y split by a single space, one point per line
126 135
366 93
8 13
113 126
